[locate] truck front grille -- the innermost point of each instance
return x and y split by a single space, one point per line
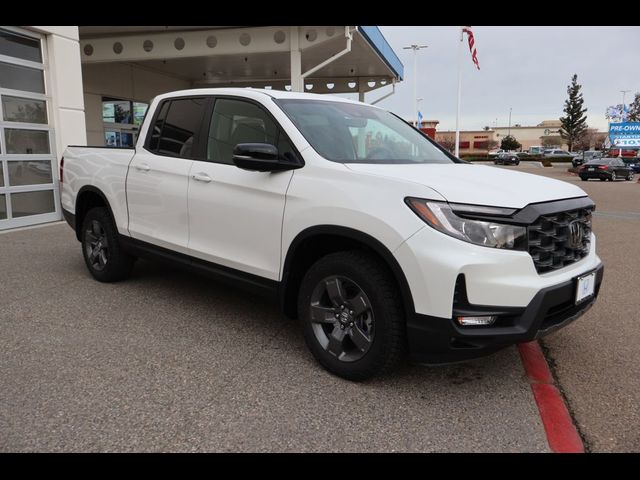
560 239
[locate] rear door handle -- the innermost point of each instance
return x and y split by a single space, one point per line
201 177
143 167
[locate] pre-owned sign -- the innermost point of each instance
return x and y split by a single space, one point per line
625 134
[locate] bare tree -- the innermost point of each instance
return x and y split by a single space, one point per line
590 139
448 142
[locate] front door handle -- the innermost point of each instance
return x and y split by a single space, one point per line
201 177
143 167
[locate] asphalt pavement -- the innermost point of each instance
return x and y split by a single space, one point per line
170 361
597 358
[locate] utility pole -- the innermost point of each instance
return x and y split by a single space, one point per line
415 49
510 120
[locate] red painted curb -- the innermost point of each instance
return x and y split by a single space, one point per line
562 434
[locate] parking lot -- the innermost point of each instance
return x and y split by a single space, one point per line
170 361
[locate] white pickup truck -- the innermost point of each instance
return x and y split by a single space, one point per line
365 229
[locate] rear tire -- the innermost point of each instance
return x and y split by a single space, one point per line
367 337
103 255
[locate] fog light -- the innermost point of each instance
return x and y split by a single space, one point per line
476 320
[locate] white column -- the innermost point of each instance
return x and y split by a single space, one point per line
297 82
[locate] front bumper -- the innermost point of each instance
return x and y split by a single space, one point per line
434 340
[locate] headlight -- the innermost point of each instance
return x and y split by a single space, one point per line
493 234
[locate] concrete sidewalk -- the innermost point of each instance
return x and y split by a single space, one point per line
169 361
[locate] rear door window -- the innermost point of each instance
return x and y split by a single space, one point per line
176 131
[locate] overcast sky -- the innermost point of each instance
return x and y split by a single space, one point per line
524 68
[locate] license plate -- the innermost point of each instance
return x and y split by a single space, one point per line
591 169
586 286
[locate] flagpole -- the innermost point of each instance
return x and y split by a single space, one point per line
459 94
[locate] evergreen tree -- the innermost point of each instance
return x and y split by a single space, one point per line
574 124
634 109
510 143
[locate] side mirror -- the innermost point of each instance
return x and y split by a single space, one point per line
260 157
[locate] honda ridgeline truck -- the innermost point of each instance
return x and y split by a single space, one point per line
375 237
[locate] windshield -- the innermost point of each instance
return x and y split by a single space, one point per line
352 133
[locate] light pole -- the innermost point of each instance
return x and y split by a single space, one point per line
415 49
418 100
510 121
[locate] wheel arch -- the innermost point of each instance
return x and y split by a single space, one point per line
315 242
89 197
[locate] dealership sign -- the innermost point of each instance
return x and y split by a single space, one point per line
625 134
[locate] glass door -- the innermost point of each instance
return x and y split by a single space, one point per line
28 181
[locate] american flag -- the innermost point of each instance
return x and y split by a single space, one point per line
472 47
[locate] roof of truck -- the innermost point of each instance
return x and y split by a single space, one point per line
253 93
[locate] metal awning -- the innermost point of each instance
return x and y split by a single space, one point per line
329 59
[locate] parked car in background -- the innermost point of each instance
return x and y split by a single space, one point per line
523 155
507 159
495 153
586 156
633 163
605 169
536 150
556 152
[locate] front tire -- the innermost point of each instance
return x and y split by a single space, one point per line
352 315
103 255
614 177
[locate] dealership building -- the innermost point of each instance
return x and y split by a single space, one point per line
84 85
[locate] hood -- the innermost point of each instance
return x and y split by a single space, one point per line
477 184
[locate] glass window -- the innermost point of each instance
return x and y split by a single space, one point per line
26 172
116 111
18 77
235 122
3 207
183 121
1 175
139 111
26 141
20 46
32 203
348 132
18 109
157 127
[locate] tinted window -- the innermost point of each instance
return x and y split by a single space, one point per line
19 46
181 126
156 128
348 132
18 77
235 122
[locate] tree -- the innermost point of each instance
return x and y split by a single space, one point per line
510 143
634 109
585 141
448 142
574 123
549 141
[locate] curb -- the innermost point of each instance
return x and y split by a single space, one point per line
562 435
